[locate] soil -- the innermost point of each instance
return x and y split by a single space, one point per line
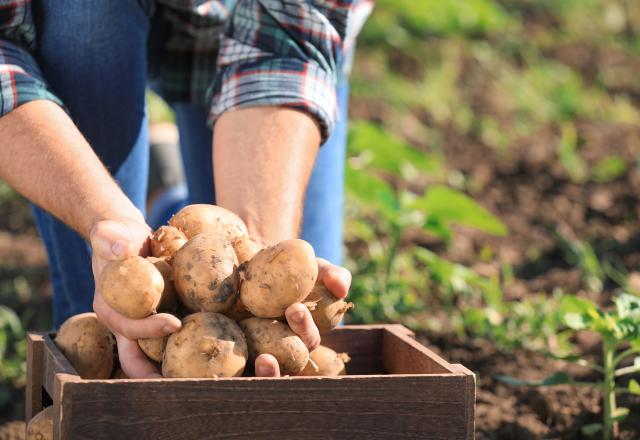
508 412
532 193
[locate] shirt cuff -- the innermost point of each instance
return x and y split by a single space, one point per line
20 79
277 82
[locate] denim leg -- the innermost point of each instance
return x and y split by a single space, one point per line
324 203
195 146
93 54
323 209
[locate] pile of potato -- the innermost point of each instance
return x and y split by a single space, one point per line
230 292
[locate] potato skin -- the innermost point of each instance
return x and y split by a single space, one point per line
246 248
238 311
208 345
88 345
169 298
327 361
166 241
153 347
277 339
277 277
200 218
40 427
327 310
132 287
204 273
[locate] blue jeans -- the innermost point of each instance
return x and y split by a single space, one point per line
93 53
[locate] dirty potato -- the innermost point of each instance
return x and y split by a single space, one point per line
204 274
277 277
88 345
215 220
132 287
208 345
275 338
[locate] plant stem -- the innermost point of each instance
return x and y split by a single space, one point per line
396 233
624 355
609 392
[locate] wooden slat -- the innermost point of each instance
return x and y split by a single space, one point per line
470 397
362 344
365 407
33 392
401 354
54 362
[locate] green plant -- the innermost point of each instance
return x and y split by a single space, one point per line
12 354
619 329
387 281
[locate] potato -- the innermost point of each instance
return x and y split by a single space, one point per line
327 310
204 274
166 241
208 345
246 248
88 345
197 219
153 347
119 374
132 287
323 361
277 339
169 297
40 427
277 277
238 311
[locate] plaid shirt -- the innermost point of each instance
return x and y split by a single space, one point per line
224 54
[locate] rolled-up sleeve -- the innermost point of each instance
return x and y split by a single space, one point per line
284 53
20 78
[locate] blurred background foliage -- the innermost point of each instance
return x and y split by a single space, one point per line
492 173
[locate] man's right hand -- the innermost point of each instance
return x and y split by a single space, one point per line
117 239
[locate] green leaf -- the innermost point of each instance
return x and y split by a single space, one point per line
634 387
619 414
447 206
555 379
575 321
372 190
591 429
573 304
608 169
627 306
390 153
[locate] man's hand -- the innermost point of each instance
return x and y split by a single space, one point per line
335 278
118 239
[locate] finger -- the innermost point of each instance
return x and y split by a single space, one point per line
150 327
267 366
133 361
335 278
111 240
301 322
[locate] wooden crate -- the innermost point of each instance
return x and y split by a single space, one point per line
396 389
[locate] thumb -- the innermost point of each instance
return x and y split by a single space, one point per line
111 240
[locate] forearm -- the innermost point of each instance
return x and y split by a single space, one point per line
46 159
263 158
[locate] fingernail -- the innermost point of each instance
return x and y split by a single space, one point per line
264 370
297 317
118 248
170 328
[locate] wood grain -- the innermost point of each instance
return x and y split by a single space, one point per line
33 391
425 397
366 407
401 354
